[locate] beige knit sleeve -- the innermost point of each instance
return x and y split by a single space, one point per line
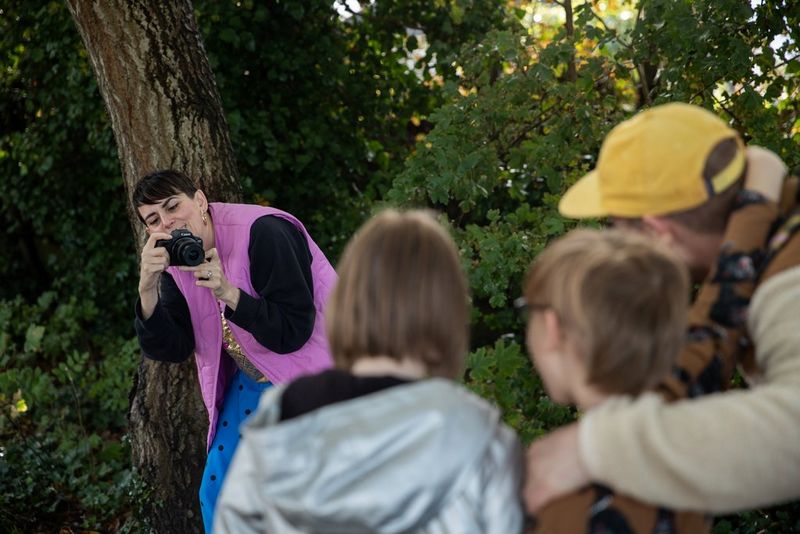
720 453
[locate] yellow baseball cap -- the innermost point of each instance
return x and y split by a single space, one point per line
652 164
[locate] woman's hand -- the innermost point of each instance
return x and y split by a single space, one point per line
210 275
154 261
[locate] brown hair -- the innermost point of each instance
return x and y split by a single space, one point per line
620 298
401 293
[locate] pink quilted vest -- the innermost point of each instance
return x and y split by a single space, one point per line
232 224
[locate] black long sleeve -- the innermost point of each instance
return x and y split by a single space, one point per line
281 318
166 335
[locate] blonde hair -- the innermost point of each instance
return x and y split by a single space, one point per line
401 293
620 298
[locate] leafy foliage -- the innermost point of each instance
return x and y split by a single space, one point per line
62 194
62 416
502 373
521 125
778 519
321 107
486 114
526 117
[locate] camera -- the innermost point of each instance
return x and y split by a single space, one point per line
184 248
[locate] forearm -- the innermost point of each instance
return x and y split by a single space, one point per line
148 300
231 297
278 327
165 334
160 338
719 454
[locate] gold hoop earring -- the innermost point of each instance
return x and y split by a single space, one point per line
205 218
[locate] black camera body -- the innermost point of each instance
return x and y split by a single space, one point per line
184 248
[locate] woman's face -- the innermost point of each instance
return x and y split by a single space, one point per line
178 211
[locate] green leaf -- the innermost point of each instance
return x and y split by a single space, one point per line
554 225
793 67
33 338
469 162
46 299
479 365
228 35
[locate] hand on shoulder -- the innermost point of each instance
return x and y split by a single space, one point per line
554 468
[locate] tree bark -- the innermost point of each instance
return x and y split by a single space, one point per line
165 110
572 71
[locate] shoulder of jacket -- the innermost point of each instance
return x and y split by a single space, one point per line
778 294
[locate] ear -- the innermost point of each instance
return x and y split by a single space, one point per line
202 201
554 333
661 228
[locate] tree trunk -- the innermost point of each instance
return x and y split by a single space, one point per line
165 111
572 71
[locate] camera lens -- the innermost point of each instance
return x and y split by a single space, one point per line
189 252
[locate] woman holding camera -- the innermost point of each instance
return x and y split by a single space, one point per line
250 310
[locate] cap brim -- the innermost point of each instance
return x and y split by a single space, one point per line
583 199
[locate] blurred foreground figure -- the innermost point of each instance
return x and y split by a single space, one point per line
680 175
606 318
386 442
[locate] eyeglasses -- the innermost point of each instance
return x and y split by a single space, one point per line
524 308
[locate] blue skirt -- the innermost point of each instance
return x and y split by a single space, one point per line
241 399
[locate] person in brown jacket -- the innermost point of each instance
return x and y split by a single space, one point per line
680 175
607 311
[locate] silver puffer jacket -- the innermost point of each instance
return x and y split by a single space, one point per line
423 457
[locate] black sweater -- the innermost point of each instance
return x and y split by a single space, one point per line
312 392
281 318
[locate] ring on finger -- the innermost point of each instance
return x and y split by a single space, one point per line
209 274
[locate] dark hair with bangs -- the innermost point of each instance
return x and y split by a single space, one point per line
158 185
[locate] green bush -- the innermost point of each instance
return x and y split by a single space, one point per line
319 107
63 400
502 113
324 107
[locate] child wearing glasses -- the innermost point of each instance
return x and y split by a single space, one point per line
607 312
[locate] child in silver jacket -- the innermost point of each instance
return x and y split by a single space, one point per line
387 441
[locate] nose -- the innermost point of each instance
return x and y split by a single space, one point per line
168 222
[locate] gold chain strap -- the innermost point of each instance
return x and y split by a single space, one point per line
235 351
